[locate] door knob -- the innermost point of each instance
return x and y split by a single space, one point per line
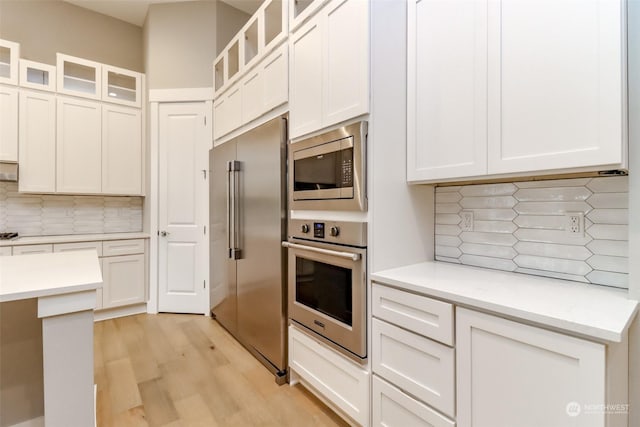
164 233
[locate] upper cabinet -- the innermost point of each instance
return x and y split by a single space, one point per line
514 87
301 10
8 124
263 32
9 54
329 77
79 77
89 79
121 86
35 75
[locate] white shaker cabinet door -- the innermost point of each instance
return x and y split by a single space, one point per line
446 89
510 374
124 280
346 63
555 85
121 150
306 78
79 147
8 124
37 142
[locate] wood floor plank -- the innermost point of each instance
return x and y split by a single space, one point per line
161 371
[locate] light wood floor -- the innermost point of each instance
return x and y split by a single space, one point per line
183 370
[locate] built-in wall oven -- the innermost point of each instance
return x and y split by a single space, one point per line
327 172
327 282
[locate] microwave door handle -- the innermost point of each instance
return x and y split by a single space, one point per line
347 255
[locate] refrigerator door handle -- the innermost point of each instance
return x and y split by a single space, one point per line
233 169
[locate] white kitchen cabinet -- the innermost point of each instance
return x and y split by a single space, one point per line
512 374
338 379
393 408
8 124
514 87
306 79
423 368
5 250
124 280
79 146
9 57
301 10
555 85
227 112
121 150
36 75
32 249
78 76
121 86
329 76
446 89
78 246
37 154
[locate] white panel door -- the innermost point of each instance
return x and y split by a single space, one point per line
305 79
447 89
346 72
8 124
37 152
555 84
121 150
79 146
124 280
183 205
509 374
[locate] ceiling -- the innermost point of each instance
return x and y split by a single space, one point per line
135 11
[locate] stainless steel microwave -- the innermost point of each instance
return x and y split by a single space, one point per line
327 172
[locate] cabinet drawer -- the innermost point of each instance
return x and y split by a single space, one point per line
122 247
32 249
422 315
338 379
79 246
393 408
416 364
5 251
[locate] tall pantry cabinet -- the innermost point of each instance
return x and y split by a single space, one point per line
515 87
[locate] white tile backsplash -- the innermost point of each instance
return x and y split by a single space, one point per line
521 227
42 215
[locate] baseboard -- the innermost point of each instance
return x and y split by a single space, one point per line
112 313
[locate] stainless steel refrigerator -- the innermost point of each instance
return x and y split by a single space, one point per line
248 224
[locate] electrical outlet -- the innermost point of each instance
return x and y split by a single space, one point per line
467 220
575 223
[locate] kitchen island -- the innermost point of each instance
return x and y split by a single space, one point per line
47 300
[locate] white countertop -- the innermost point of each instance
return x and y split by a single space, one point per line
596 312
38 275
72 238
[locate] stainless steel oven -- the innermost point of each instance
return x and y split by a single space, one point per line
327 282
327 172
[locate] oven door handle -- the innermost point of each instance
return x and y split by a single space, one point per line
348 255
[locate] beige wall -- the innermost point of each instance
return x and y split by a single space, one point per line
180 44
45 27
21 376
228 23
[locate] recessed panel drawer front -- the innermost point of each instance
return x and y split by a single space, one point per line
32 249
417 365
122 247
80 246
393 408
422 315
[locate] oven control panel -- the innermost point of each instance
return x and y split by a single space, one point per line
339 232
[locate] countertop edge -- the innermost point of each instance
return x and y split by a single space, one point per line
512 312
73 238
70 289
